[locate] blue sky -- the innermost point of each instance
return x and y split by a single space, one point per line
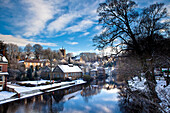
53 23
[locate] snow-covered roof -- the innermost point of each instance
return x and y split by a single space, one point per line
77 58
3 59
69 69
93 70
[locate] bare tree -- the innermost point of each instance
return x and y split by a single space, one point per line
122 20
12 54
37 50
28 49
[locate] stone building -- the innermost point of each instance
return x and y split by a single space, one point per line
67 71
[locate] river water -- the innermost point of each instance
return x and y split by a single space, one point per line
77 99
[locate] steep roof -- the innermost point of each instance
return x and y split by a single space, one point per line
69 69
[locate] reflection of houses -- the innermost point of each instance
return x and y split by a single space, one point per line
100 72
3 71
93 72
67 71
90 91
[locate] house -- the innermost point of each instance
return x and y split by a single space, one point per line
35 63
3 71
78 60
67 71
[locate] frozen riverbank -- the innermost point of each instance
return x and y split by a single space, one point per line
25 92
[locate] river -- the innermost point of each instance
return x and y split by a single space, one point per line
92 98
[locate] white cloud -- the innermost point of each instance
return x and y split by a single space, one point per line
104 109
60 23
76 9
86 33
21 41
98 27
60 34
71 43
82 26
38 13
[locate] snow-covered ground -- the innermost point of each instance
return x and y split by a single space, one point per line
136 84
163 92
35 82
6 94
31 91
21 89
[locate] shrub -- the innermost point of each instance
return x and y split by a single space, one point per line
87 78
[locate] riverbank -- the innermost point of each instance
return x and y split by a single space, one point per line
21 92
88 98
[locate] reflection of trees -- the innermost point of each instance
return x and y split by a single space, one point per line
89 91
58 96
47 103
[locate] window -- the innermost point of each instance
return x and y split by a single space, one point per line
0 68
58 75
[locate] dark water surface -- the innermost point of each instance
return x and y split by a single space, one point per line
77 99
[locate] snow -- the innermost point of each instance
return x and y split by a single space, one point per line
22 89
4 59
69 69
14 99
35 82
6 95
163 94
21 61
32 91
93 70
136 84
3 73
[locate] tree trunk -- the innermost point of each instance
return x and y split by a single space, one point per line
167 78
150 80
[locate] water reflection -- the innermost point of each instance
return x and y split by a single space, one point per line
77 99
